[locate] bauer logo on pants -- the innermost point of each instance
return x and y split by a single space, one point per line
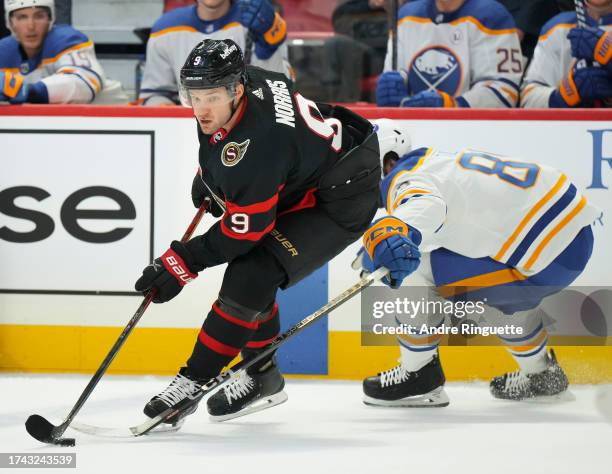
234 152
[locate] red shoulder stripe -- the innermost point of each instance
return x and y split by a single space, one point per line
257 208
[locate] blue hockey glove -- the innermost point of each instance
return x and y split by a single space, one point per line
363 263
582 86
14 90
593 44
261 19
391 244
429 99
391 88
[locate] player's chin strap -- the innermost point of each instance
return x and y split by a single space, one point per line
236 106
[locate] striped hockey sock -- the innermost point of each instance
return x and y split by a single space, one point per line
224 333
418 349
529 351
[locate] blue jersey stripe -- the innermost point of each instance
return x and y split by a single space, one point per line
417 348
530 353
541 224
501 98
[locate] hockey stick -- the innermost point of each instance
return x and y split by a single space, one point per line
581 22
225 377
393 7
580 13
43 430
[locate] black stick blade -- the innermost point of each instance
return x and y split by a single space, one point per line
40 428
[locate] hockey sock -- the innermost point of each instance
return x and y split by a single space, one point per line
268 327
418 349
415 357
529 351
225 331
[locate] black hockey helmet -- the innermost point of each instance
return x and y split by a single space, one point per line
211 64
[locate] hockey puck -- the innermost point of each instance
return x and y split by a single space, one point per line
67 442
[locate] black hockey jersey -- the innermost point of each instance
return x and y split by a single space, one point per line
267 165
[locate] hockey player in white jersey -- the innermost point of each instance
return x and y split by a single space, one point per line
557 77
46 63
177 32
453 53
478 227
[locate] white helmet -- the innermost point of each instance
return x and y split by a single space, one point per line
11 5
392 138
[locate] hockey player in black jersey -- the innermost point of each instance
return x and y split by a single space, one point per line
292 190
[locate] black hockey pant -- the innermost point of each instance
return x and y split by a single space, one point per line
245 314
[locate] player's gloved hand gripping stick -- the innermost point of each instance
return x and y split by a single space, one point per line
45 432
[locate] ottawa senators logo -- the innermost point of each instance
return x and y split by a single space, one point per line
234 152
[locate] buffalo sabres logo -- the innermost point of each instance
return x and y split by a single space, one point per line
435 68
234 152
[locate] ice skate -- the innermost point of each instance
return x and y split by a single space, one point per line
397 387
183 386
551 382
249 392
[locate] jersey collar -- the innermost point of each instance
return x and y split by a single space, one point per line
439 17
223 132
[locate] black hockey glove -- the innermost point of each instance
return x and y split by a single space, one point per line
169 273
199 192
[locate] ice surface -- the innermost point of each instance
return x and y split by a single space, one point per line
323 428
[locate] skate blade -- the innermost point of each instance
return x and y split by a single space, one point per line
563 397
108 432
435 399
167 427
263 404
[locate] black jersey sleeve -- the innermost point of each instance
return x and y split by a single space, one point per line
251 189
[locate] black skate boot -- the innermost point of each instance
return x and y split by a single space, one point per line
183 386
252 391
520 386
397 387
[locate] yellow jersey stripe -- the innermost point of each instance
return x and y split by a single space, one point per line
404 172
173 29
233 24
547 197
87 44
513 95
486 280
545 36
398 199
554 232
467 19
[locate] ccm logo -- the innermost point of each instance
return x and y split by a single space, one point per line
179 272
385 230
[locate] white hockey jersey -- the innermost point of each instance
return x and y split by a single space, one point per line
177 32
552 59
67 65
481 205
472 54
